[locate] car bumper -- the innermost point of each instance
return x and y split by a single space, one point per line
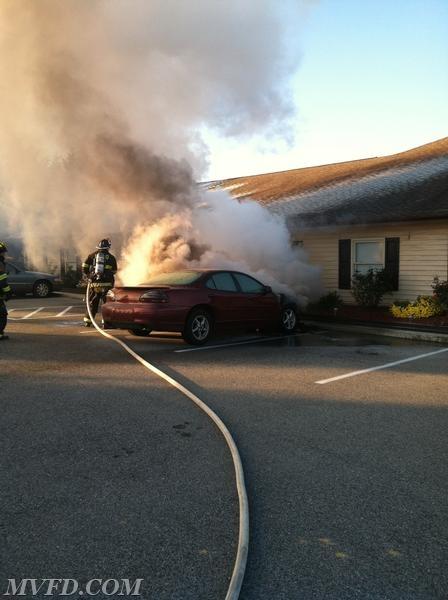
161 317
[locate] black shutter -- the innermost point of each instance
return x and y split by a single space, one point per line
345 266
392 261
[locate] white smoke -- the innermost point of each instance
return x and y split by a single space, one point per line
102 104
220 233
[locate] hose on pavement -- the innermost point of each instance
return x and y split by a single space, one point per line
239 568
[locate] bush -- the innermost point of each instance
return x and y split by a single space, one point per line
369 288
71 277
440 291
329 301
401 303
422 308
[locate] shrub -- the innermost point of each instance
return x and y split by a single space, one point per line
440 291
369 288
329 301
71 277
401 303
422 308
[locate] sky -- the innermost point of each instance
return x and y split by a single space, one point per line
369 79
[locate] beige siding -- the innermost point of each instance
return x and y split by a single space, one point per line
423 254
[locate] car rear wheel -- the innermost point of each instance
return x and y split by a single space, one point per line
140 332
41 289
198 327
289 319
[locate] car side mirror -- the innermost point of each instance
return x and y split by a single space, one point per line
267 289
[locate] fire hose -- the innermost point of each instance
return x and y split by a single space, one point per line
239 568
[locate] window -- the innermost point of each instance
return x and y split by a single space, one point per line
224 282
174 278
249 285
368 254
362 255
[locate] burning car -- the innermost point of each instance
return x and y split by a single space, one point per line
197 303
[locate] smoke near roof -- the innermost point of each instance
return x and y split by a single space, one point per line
103 103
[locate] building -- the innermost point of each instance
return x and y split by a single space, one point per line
389 212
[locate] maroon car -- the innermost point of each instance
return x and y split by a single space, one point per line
197 303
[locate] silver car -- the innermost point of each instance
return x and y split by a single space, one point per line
32 282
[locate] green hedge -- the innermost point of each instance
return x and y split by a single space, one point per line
440 291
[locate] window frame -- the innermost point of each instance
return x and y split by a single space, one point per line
381 241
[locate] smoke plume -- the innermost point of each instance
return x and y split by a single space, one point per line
103 102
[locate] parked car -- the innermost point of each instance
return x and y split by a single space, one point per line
197 303
32 282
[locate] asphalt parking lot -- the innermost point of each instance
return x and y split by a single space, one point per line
107 471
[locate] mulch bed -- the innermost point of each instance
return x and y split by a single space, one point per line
379 315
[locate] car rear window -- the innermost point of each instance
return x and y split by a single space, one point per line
174 278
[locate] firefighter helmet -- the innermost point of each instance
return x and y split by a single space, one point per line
3 247
105 244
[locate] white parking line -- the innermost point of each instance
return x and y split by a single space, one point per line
49 306
63 312
386 366
251 341
40 318
30 316
92 330
33 313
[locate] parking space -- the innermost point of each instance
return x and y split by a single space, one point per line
345 474
44 312
319 357
347 480
55 307
349 354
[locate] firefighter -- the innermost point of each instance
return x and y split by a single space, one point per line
99 268
5 292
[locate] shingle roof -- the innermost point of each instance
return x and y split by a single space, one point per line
410 185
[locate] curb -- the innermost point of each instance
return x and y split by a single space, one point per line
425 336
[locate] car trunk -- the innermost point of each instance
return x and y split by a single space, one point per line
132 294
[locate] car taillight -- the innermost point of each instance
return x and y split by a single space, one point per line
154 296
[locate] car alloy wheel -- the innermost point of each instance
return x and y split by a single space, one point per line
41 289
198 327
289 319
